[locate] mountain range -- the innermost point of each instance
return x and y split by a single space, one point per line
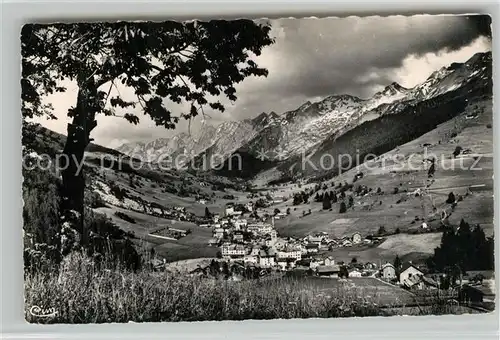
307 129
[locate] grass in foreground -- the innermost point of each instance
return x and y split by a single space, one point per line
82 294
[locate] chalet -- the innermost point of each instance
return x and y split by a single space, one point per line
332 243
346 243
329 261
355 273
408 272
329 271
292 253
370 265
388 271
356 238
315 239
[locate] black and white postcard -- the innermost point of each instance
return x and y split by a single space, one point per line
257 169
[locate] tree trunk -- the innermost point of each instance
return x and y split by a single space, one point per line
73 155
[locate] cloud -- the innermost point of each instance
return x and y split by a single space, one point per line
314 58
416 68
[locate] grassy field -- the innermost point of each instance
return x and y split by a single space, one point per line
368 288
81 293
194 245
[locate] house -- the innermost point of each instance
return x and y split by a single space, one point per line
290 252
269 241
282 263
232 251
216 218
238 237
312 248
267 258
355 273
260 228
429 283
240 223
332 244
346 243
407 272
315 239
356 238
329 271
274 234
212 242
367 241
370 265
202 201
314 263
388 271
229 211
250 259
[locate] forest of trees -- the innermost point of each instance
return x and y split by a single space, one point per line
467 248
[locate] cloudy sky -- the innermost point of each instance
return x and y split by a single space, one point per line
315 58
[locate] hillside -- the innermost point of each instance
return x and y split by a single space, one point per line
307 128
141 200
404 210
